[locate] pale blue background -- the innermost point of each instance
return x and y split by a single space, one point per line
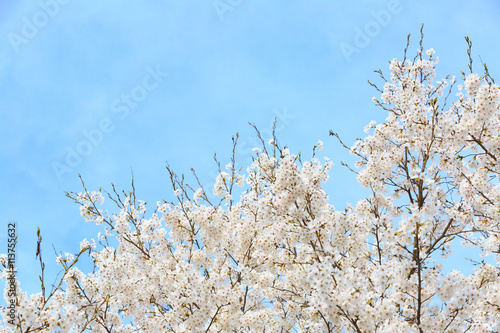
248 64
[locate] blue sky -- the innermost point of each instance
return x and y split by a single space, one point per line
73 67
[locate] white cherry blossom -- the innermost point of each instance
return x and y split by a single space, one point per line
272 254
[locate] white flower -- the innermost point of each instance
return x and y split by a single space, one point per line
84 244
369 126
197 194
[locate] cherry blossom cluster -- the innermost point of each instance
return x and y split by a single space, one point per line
281 258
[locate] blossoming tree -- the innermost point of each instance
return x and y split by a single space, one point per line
282 259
